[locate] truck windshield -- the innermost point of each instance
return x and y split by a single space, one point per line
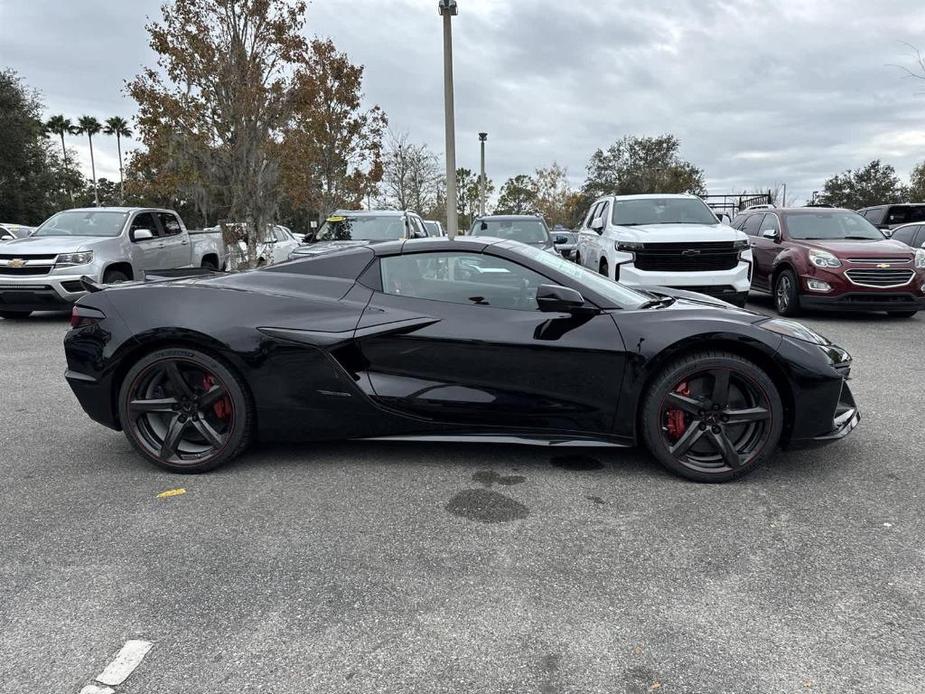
523 230
83 223
662 211
830 225
362 228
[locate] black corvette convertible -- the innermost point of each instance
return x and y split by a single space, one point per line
467 340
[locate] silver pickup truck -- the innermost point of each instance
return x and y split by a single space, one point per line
106 244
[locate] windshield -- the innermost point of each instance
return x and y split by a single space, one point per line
831 225
83 223
620 295
364 228
523 230
662 211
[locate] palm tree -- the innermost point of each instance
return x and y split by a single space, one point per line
119 127
90 126
61 126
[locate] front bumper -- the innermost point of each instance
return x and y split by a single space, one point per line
846 418
51 292
712 282
864 301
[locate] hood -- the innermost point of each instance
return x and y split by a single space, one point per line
673 233
321 247
56 244
879 248
686 299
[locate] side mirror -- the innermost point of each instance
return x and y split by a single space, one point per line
561 239
552 298
142 235
724 219
772 234
597 224
887 232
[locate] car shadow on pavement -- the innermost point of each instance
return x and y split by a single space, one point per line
764 303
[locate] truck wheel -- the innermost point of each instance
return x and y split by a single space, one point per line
787 294
114 277
209 264
11 315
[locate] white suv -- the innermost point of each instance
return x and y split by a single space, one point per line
668 241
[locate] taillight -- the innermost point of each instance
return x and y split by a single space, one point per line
82 316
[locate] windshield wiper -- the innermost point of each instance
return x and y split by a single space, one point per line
660 302
860 238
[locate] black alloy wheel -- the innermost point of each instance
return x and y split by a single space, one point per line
787 294
185 411
712 417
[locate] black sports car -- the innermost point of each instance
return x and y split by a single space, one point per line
471 339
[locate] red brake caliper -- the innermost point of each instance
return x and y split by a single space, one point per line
222 408
676 424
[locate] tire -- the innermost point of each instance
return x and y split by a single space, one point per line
604 269
185 411
115 277
787 294
209 264
13 315
892 314
698 439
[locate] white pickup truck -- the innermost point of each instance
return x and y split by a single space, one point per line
106 244
668 241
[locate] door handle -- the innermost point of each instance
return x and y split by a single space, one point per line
184 243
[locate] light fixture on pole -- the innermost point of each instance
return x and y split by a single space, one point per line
448 10
482 179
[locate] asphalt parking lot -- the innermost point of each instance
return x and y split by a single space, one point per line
367 567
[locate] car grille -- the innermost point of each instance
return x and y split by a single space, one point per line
877 261
26 270
879 277
8 256
687 257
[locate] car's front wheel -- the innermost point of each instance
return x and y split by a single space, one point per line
787 294
712 417
185 411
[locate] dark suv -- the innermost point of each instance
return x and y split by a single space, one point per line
888 217
823 258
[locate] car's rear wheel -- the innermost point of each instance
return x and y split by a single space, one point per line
185 411
787 294
712 417
11 315
901 314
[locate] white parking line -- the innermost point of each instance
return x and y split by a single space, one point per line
130 657
93 689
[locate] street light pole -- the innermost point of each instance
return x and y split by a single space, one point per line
482 181
448 10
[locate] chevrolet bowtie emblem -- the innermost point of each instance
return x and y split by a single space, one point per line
16 262
883 265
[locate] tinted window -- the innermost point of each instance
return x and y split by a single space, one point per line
920 239
169 223
473 279
830 225
524 230
769 223
901 214
662 211
751 224
85 223
906 235
739 221
592 214
145 220
873 216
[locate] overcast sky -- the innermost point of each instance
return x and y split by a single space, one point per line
759 92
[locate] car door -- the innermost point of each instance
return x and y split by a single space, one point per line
457 338
588 238
176 242
764 249
150 254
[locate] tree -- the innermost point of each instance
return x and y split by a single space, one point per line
90 126
119 127
33 182
873 184
554 197
467 191
517 196
331 148
61 126
210 113
916 190
642 165
410 174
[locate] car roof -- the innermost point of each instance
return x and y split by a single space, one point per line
117 209
507 217
369 213
652 196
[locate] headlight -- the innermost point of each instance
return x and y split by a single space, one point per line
919 258
69 259
628 246
794 330
821 258
741 245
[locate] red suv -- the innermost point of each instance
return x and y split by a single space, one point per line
826 258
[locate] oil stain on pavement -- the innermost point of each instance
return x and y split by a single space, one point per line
490 477
486 506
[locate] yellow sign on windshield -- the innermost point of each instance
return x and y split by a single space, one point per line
336 218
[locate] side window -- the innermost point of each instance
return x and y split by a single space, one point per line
169 223
769 223
280 234
873 215
751 224
145 220
420 229
906 235
897 215
738 221
604 212
592 214
474 279
920 238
